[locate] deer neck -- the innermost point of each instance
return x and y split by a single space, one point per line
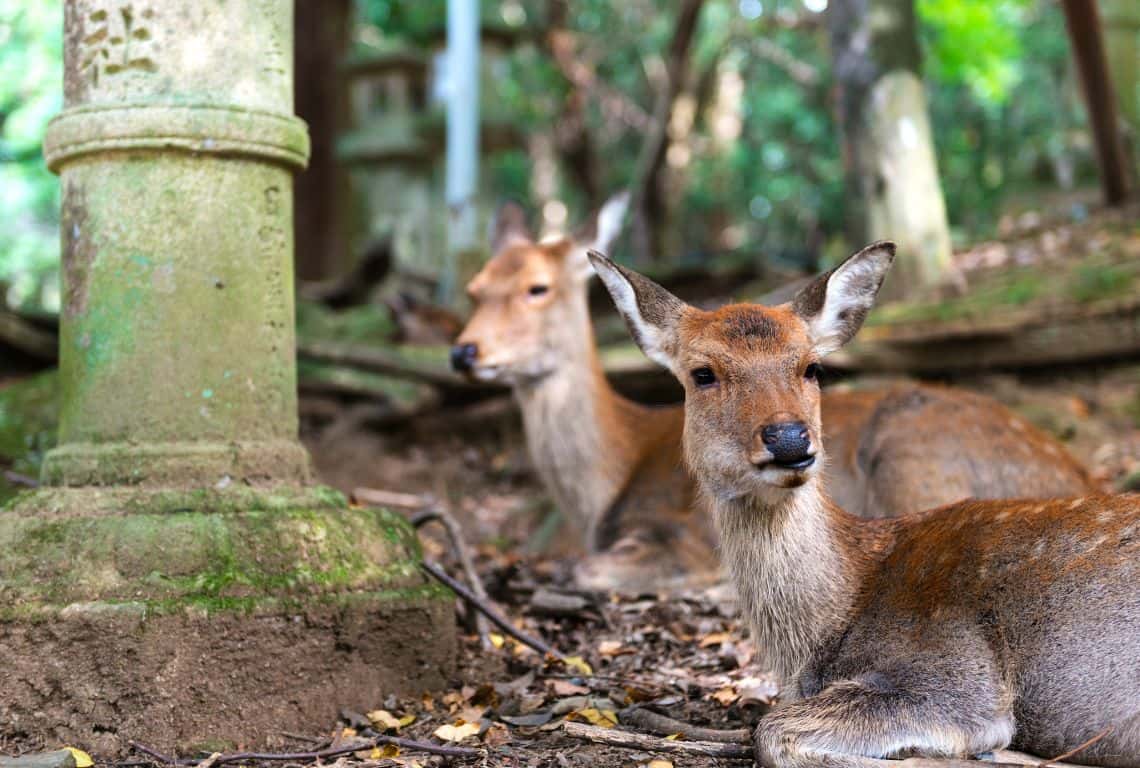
578 429
799 563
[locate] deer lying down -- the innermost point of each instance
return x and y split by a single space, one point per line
614 467
945 633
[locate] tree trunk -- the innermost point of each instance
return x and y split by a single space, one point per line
575 145
647 196
893 188
1121 19
321 101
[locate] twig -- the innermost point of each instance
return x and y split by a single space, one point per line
630 740
164 759
383 498
409 744
1076 749
496 618
302 737
437 513
646 720
1010 757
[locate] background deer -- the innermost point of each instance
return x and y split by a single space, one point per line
614 467
945 633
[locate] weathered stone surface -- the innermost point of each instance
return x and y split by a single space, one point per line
184 616
176 150
61 758
179 581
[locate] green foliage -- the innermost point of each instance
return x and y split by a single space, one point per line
762 171
31 73
974 42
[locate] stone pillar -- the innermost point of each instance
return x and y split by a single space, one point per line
178 580
176 151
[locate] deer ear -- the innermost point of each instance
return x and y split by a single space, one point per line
508 225
836 303
651 313
599 232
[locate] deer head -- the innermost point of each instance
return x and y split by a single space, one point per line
530 298
750 372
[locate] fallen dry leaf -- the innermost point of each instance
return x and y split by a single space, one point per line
567 688
612 648
457 732
82 759
716 638
606 718
497 735
578 664
725 696
386 752
659 764
384 720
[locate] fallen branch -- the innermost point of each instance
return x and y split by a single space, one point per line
438 514
388 362
409 744
378 497
629 740
20 480
27 338
496 618
646 720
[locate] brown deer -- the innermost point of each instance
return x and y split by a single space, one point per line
614 467
940 634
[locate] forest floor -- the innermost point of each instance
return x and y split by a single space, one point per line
684 655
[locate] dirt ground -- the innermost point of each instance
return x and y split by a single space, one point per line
685 655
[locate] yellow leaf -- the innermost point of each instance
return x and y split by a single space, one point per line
348 733
674 736
497 640
716 638
606 718
578 664
407 720
385 752
82 759
659 764
725 696
458 732
385 720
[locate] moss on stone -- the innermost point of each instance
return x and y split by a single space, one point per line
212 548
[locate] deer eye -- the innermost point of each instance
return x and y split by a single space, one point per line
703 377
538 290
811 373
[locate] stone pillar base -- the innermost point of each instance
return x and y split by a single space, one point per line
197 464
190 619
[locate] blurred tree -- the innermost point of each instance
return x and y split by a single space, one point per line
1083 21
321 101
751 164
893 188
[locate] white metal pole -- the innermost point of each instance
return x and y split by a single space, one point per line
462 133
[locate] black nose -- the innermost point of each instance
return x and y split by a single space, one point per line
463 357
788 442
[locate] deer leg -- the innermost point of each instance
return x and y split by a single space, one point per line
863 723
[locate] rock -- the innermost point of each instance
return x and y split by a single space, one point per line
61 758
